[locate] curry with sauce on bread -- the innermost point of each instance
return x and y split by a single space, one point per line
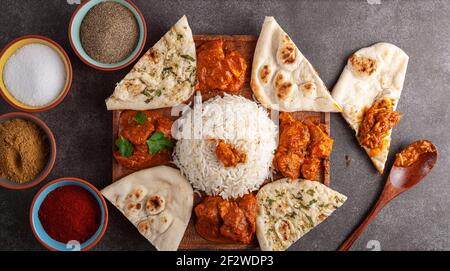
377 121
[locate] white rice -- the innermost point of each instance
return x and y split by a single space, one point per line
237 121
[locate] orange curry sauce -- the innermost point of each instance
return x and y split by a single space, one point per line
137 134
219 68
411 153
301 147
227 221
376 123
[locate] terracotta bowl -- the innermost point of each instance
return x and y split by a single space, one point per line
51 158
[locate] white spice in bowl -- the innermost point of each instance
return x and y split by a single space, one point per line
35 75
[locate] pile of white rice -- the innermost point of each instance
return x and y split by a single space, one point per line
237 121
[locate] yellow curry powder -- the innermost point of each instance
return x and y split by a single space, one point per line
24 150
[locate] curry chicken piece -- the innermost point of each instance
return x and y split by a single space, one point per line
301 147
292 147
219 69
376 123
138 134
229 155
221 220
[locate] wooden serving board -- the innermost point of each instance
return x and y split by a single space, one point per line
246 46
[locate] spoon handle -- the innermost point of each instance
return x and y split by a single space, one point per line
388 193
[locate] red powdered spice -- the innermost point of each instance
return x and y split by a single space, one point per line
70 213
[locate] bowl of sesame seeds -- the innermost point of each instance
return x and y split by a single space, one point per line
107 35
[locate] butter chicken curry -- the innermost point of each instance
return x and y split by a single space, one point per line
227 221
219 68
377 121
411 153
301 148
144 139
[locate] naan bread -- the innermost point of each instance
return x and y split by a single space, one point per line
371 73
287 210
282 78
158 201
163 77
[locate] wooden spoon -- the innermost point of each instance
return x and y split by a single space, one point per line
400 180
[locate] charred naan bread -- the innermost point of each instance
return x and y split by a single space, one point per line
287 210
163 77
158 201
372 75
282 78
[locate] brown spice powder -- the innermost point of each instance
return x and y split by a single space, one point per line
24 150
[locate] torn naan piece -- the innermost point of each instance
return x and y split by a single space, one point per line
163 77
158 201
368 90
282 78
288 209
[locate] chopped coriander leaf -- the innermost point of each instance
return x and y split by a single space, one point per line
125 147
157 142
311 222
158 92
140 117
188 57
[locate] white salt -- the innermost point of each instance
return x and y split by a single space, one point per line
35 74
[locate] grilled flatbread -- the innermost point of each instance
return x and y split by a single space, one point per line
282 78
158 201
372 73
163 77
287 210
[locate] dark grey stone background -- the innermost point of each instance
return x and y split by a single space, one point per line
327 32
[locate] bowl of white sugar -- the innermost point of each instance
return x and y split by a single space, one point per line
35 73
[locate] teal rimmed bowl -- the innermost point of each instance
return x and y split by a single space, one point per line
49 242
75 42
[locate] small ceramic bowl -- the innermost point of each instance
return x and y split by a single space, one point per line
75 42
49 242
11 48
52 148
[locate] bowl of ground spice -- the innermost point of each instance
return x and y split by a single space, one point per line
27 150
35 73
68 214
107 35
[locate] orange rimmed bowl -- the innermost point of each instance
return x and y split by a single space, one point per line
75 41
52 151
11 48
73 245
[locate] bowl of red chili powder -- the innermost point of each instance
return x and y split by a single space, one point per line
68 214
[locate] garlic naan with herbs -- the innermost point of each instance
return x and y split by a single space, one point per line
287 210
163 77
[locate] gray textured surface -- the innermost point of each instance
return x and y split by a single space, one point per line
327 32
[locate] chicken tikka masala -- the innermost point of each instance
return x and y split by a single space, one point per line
377 121
411 153
219 68
144 139
226 221
301 148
